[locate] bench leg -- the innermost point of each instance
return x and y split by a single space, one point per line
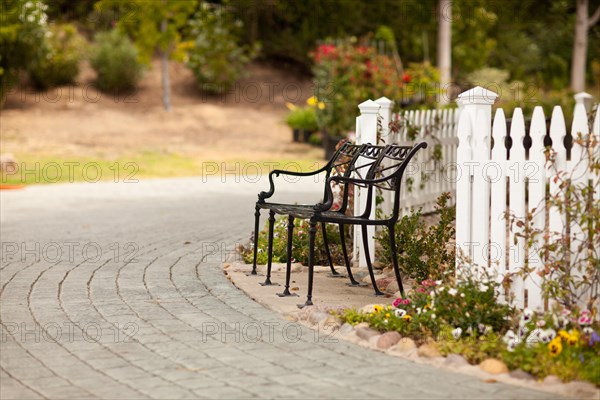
395 259
326 244
311 266
267 281
353 282
288 267
256 227
368 258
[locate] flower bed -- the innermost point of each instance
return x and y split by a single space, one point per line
463 317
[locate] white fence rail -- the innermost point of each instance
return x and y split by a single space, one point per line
494 180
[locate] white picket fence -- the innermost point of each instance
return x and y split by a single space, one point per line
429 179
482 200
486 181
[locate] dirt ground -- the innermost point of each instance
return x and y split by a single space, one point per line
79 121
328 292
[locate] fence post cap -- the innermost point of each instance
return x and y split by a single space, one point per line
384 102
584 99
579 97
369 107
477 95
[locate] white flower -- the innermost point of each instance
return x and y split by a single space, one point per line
588 330
385 321
462 295
547 335
541 323
523 331
534 337
452 292
419 310
467 314
527 315
432 294
509 337
456 333
398 312
438 282
511 346
432 316
484 329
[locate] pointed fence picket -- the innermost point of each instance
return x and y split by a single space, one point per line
499 183
490 183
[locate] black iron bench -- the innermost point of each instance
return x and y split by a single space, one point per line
367 166
343 163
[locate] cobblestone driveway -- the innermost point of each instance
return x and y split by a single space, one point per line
115 291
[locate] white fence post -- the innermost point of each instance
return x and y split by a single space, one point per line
472 188
385 114
366 133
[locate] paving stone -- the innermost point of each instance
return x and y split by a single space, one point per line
171 296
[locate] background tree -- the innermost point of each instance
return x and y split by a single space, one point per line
444 47
23 27
583 23
154 26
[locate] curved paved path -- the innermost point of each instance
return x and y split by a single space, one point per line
115 291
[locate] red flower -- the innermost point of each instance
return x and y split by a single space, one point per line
406 78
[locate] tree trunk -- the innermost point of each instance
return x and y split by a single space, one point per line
444 48
580 47
583 23
164 63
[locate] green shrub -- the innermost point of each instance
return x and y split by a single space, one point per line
214 56
299 244
115 59
60 66
303 118
423 251
22 39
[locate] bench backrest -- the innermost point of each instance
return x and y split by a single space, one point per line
353 160
386 174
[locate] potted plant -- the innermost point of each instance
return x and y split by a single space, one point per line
303 121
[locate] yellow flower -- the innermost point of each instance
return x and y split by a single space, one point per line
312 101
387 315
555 347
563 335
290 106
407 317
573 337
377 308
321 105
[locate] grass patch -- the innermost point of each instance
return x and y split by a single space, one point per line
32 169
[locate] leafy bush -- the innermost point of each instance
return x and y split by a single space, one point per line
304 117
215 57
424 252
299 244
115 59
571 255
60 66
22 39
349 71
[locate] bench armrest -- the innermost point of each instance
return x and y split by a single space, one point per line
276 172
